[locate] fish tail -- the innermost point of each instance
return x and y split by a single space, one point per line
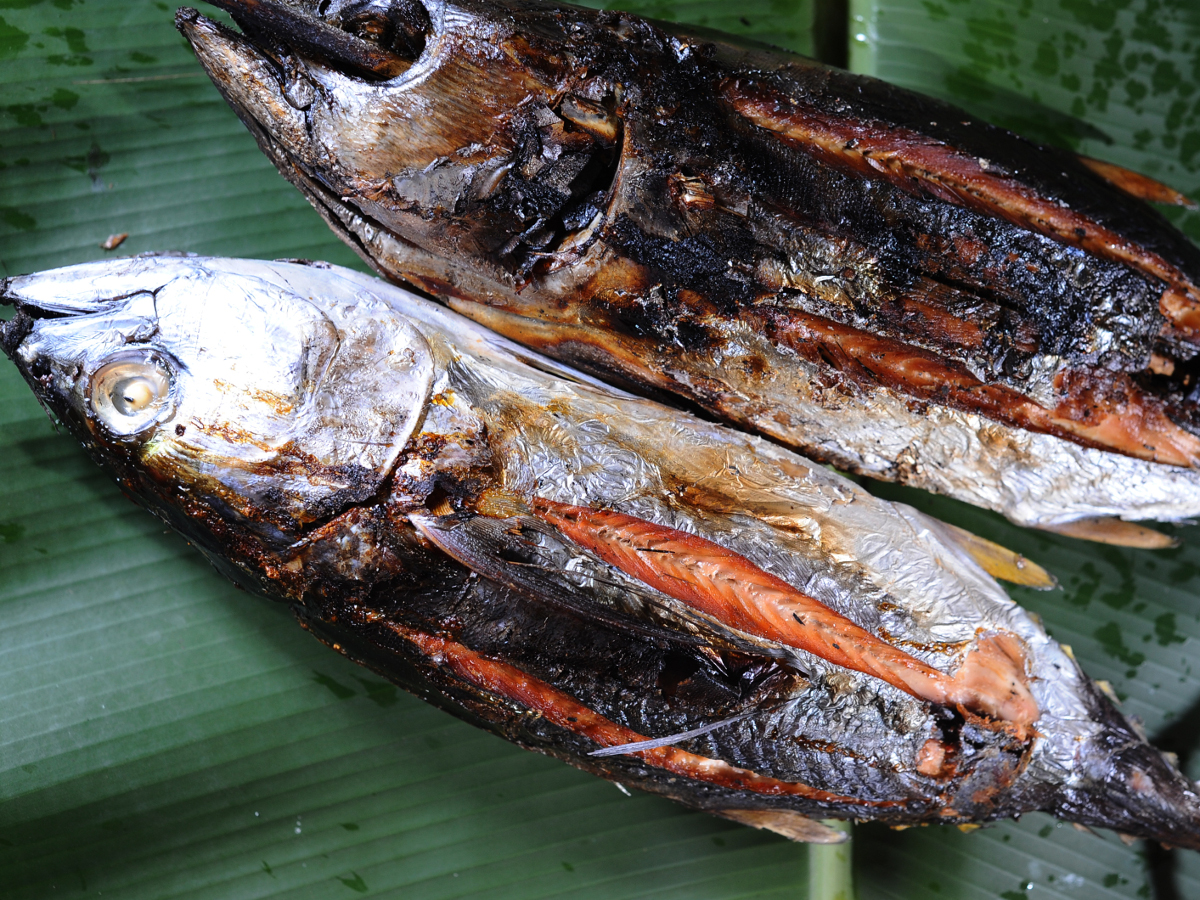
1129 786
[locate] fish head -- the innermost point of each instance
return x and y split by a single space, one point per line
245 408
463 132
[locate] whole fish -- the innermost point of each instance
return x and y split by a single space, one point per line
662 601
853 269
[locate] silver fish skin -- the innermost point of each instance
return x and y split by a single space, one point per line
464 516
819 257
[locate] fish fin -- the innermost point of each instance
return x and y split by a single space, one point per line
672 739
1118 532
504 551
497 503
1107 690
792 825
1000 562
1138 185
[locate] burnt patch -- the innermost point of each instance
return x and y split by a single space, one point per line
276 24
697 264
559 184
663 316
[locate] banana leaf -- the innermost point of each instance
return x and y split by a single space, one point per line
163 735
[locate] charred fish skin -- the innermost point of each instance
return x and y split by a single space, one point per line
571 567
847 267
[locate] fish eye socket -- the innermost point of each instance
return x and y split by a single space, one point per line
130 394
400 27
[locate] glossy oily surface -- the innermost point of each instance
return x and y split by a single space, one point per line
578 569
800 251
211 707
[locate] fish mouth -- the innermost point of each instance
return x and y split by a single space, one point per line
305 86
248 71
35 366
385 45
27 310
62 294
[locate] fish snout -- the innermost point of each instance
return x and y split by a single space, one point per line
264 93
32 359
73 335
13 331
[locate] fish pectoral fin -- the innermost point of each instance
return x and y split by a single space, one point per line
1000 562
1118 532
792 825
506 551
1138 185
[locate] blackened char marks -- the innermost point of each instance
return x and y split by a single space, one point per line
1064 292
648 685
697 263
987 181
1069 295
1054 174
528 711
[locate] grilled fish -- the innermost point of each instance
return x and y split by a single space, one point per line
663 601
856 270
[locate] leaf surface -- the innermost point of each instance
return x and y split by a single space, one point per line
164 735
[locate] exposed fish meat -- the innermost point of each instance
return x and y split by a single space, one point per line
660 600
864 273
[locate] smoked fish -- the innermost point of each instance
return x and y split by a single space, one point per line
866 274
660 600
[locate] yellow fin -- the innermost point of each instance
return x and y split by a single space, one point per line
1111 530
792 825
1107 690
1000 562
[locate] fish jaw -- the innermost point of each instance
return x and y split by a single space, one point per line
50 354
246 78
487 149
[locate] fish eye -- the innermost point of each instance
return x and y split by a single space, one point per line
130 394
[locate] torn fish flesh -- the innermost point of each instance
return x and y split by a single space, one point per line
660 600
867 274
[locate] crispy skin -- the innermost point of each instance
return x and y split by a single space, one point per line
578 569
925 163
639 200
563 684
567 685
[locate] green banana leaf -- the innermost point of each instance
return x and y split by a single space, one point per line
163 735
